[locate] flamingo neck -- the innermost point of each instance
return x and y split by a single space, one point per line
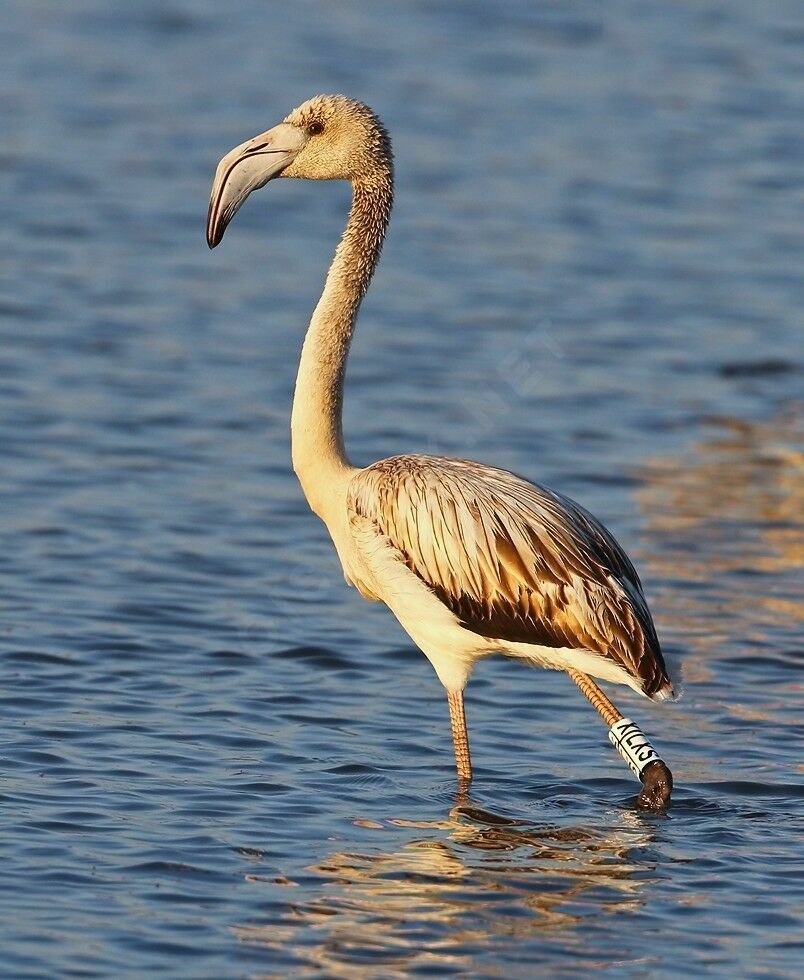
319 456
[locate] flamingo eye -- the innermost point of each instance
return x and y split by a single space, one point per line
315 128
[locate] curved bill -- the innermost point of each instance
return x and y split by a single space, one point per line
246 168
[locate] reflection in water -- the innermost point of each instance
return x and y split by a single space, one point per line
747 477
726 551
468 885
730 509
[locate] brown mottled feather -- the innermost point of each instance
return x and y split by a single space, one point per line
512 560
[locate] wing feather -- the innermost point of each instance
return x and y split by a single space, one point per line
513 560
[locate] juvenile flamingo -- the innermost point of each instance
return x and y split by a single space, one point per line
472 560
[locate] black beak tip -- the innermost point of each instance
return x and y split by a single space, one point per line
215 229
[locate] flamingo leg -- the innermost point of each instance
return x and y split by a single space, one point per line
656 778
460 737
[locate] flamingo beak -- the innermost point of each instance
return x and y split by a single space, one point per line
246 168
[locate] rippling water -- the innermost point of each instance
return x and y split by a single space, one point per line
218 761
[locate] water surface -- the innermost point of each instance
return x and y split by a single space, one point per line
217 760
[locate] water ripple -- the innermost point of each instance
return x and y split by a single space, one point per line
216 759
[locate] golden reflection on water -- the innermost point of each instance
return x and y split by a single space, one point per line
724 520
471 882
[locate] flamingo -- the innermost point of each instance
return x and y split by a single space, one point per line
471 559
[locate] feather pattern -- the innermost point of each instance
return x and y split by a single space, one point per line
512 560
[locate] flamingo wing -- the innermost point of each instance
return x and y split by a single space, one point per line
512 560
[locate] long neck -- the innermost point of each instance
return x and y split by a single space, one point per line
319 456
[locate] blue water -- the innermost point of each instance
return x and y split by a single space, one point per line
215 759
